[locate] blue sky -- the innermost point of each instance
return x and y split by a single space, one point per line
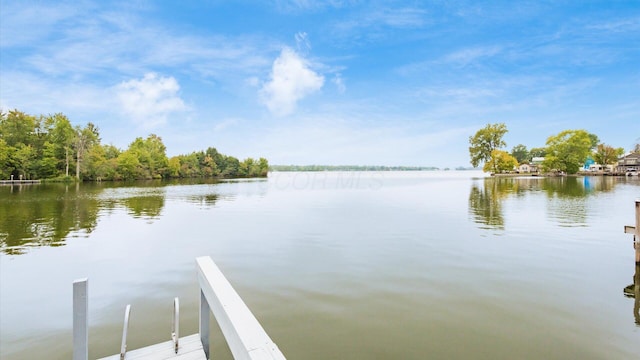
327 82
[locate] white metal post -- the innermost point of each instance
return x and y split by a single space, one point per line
80 319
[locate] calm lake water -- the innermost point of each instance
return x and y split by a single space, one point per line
353 265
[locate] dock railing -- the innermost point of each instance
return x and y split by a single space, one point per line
245 336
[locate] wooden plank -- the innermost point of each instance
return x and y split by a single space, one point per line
246 338
190 349
629 229
637 227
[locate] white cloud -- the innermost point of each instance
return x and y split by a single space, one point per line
339 83
291 80
151 99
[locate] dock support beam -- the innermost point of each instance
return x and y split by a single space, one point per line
636 237
204 323
80 320
635 230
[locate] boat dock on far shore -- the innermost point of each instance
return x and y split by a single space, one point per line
19 182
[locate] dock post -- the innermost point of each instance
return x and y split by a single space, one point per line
636 236
80 320
204 323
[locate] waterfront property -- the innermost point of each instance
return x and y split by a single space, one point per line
629 163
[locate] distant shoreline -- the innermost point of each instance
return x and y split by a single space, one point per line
285 168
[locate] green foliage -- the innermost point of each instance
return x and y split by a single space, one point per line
537 152
500 162
47 147
521 153
152 156
567 151
85 138
593 138
129 167
606 154
485 141
6 163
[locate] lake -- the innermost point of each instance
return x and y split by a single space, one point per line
335 265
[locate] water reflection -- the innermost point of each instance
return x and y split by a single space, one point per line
43 216
633 291
485 203
205 200
149 207
48 214
567 197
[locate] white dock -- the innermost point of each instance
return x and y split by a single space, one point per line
190 349
245 336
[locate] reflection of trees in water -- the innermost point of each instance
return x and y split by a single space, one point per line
566 196
208 199
47 214
37 215
485 204
149 207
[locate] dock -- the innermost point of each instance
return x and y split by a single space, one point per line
19 182
243 333
635 230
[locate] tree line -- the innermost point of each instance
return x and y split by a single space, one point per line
566 151
350 168
50 147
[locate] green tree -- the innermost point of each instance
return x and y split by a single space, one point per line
521 154
567 151
24 158
129 167
47 165
151 154
593 138
102 162
6 163
174 167
499 162
62 135
17 128
232 167
85 138
537 152
263 167
485 141
606 154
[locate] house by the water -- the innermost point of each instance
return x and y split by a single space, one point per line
629 164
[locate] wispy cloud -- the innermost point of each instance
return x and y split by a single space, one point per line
23 23
470 55
373 23
94 41
151 99
310 5
291 80
338 81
